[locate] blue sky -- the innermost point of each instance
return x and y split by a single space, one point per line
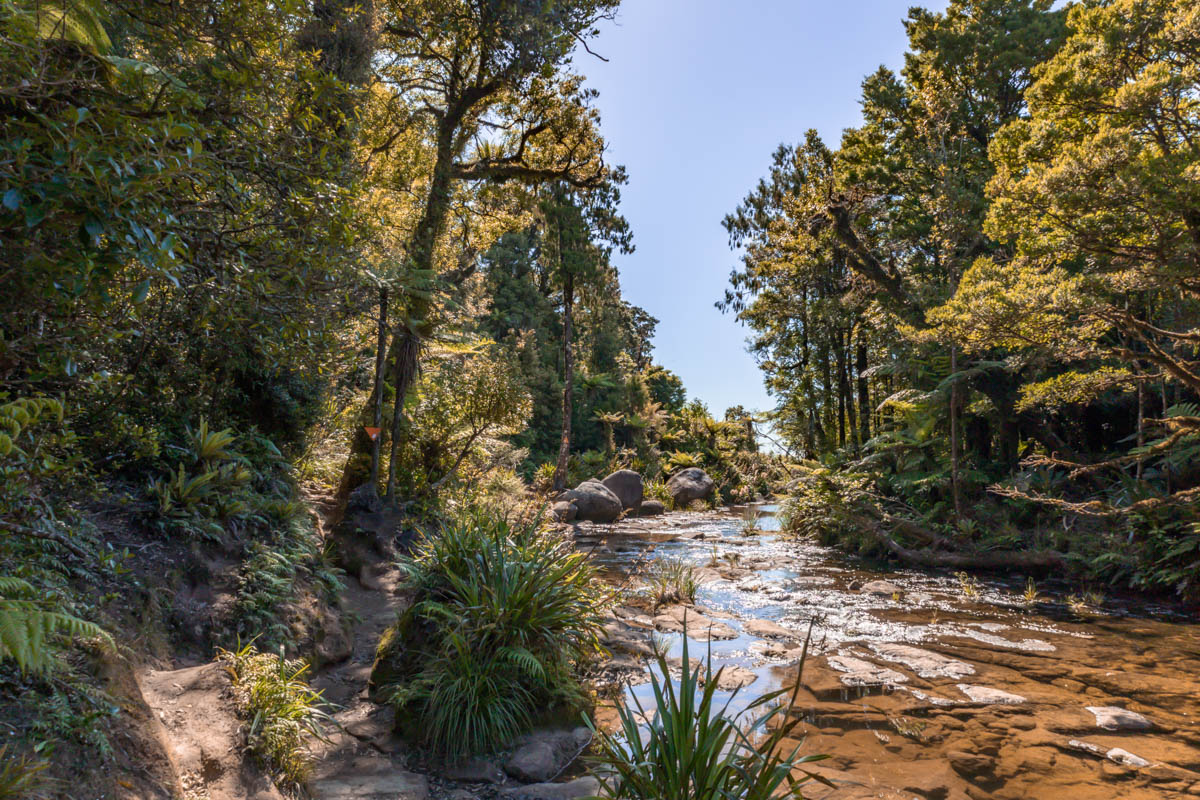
694 98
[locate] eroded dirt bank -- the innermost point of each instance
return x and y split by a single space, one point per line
922 685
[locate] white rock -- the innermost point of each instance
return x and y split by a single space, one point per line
1115 718
881 588
988 695
923 662
1126 758
864 673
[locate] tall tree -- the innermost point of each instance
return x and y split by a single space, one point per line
486 83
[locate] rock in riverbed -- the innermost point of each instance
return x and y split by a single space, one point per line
688 485
595 501
541 755
1113 718
627 486
768 630
652 508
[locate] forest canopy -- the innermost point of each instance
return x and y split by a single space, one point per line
985 297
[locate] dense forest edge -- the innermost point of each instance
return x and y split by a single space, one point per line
293 291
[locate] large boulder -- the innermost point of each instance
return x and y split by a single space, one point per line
627 486
688 485
542 755
594 501
564 512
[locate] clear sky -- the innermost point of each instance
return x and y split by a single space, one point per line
694 98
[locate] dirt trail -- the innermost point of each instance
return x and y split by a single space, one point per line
361 759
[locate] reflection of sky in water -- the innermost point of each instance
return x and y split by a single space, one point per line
794 583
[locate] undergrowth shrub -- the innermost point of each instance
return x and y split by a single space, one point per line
504 613
824 504
274 573
281 710
693 747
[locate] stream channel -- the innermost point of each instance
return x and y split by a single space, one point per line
920 685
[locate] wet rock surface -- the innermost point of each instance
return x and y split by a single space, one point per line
917 689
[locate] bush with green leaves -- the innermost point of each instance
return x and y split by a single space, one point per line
281 710
503 615
694 749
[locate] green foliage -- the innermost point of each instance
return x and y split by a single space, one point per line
669 581
281 711
288 563
984 290
824 504
693 748
468 397
503 614
20 778
28 631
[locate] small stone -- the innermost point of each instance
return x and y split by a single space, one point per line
1115 718
1126 758
731 678
475 770
461 794
864 673
923 662
881 589
768 630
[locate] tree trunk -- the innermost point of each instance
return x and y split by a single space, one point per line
564 445
408 350
847 392
864 389
406 342
377 391
955 486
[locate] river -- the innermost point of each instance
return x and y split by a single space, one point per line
923 685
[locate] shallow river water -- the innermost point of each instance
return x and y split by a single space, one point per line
923 685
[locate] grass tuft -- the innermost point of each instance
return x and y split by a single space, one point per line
694 748
282 710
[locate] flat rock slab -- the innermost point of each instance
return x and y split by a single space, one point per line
1114 718
541 755
925 663
371 779
881 589
580 787
863 673
730 678
989 696
768 630
699 627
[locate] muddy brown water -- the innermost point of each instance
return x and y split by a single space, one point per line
935 687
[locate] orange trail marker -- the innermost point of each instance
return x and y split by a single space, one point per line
372 432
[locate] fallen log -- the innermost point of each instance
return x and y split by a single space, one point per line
990 560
